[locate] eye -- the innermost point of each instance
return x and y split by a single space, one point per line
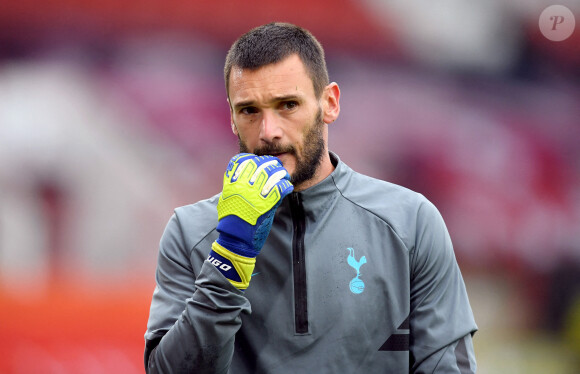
249 110
289 105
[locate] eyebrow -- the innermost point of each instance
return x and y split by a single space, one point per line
275 99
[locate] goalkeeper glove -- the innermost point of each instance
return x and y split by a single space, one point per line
254 187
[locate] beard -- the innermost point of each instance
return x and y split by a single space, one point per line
312 151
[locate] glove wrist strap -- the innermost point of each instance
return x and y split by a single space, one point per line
237 269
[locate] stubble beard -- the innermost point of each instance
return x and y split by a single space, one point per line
312 153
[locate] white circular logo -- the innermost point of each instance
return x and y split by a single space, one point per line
557 23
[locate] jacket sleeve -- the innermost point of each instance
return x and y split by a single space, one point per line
441 319
193 319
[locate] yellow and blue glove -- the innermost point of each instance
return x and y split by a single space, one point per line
254 187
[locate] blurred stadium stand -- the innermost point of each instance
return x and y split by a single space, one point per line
112 113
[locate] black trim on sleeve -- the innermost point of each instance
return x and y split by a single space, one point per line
396 343
399 341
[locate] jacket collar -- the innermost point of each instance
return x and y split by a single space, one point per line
317 196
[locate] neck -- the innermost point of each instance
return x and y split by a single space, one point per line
324 170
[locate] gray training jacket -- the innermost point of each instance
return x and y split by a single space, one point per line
357 276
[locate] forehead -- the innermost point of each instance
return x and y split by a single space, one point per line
286 77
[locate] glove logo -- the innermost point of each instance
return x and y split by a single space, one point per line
357 286
218 264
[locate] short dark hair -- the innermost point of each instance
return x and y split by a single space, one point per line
273 42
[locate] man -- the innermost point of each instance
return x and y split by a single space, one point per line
303 265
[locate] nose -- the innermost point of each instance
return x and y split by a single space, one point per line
270 128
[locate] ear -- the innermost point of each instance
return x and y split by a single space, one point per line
331 103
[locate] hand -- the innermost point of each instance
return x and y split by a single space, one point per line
254 187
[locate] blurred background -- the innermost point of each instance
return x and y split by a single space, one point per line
113 112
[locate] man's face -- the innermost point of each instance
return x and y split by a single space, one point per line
275 112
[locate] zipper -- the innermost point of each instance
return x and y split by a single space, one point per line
299 265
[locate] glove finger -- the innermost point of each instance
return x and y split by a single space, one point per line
267 167
275 165
236 163
259 160
237 157
243 168
285 187
274 180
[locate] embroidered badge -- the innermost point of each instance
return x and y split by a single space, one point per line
356 284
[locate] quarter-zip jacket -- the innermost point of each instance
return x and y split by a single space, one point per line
357 275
